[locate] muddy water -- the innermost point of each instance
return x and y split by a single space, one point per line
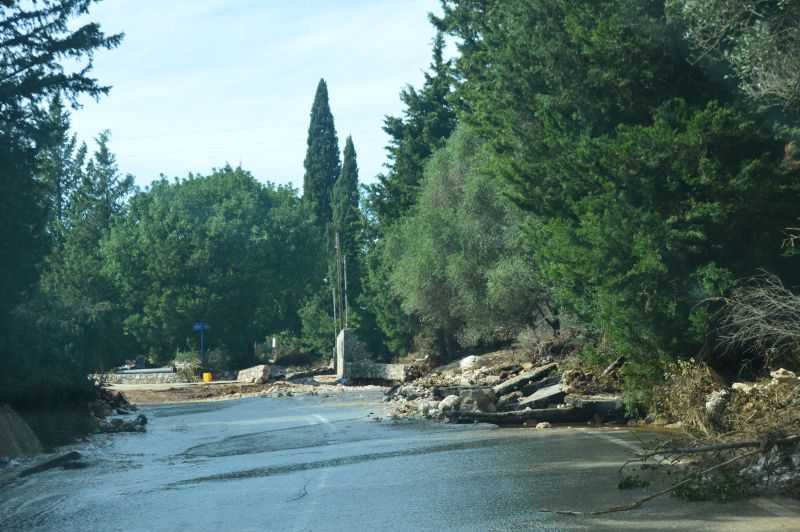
323 463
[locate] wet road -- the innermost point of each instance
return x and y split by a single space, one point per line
323 463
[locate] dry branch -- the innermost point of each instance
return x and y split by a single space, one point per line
640 502
761 444
762 317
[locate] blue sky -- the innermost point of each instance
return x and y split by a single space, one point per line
200 83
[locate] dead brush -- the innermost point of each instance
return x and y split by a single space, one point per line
762 318
769 408
683 396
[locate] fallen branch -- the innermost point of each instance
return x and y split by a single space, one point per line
720 447
640 502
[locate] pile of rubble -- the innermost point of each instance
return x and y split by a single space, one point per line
109 406
498 389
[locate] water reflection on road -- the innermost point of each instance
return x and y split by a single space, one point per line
323 463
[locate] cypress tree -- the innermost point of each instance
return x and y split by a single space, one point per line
321 164
345 200
346 217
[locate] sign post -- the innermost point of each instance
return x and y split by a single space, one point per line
202 327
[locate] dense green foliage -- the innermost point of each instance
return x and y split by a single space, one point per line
39 368
221 248
759 40
36 40
458 260
651 190
426 123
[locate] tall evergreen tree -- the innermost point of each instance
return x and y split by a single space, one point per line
347 219
427 121
59 165
322 163
75 273
345 199
36 40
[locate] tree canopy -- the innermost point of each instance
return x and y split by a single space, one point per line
221 248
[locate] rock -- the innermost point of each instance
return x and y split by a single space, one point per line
256 375
543 425
478 399
716 402
782 375
509 401
742 387
449 403
602 406
491 380
533 387
470 362
546 396
515 383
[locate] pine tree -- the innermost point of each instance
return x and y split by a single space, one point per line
37 38
322 157
75 274
427 122
59 165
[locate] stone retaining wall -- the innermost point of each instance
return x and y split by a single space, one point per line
372 371
138 378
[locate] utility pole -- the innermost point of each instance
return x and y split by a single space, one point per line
346 305
339 294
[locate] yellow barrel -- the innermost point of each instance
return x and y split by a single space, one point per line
207 377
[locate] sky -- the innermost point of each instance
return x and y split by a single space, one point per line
197 84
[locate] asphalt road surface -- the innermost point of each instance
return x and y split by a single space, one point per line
325 463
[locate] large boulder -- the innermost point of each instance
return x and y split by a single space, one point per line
477 400
449 403
546 396
469 363
255 375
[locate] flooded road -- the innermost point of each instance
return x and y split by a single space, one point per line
324 463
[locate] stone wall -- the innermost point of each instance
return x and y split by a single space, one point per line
138 378
372 371
352 362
